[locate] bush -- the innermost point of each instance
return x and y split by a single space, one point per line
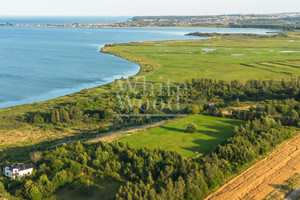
191 128
38 119
193 110
103 129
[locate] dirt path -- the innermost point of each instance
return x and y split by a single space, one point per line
114 135
293 194
263 177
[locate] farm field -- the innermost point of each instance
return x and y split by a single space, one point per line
265 176
222 58
211 132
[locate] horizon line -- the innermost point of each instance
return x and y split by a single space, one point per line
265 13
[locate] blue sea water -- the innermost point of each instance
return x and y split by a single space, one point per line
40 63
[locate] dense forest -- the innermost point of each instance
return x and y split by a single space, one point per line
149 173
280 98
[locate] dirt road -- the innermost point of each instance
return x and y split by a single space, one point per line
263 177
293 194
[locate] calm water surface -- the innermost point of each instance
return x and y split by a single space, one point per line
40 63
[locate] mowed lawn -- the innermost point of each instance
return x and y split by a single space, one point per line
172 136
221 58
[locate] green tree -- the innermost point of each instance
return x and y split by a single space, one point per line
75 168
65 117
45 186
38 119
31 191
3 193
193 110
55 117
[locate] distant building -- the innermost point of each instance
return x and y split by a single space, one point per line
17 171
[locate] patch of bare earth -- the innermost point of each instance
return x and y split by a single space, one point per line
265 176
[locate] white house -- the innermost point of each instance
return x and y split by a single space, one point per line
17 171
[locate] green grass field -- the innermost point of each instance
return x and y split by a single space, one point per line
211 132
222 58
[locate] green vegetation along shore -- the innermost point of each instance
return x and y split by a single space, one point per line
226 79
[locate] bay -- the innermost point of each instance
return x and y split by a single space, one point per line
41 63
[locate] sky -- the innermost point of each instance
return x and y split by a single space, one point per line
144 7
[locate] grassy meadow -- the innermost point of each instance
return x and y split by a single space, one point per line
222 58
172 136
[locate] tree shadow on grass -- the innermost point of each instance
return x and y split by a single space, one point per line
219 135
20 152
276 186
173 129
206 146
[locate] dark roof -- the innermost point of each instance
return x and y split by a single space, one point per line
20 167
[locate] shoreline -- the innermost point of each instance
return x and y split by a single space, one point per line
113 25
105 84
72 91
96 85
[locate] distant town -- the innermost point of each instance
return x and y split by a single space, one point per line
283 18
279 21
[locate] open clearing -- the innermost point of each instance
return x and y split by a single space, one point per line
221 58
172 136
265 176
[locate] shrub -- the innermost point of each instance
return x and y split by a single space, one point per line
194 109
38 119
191 128
103 129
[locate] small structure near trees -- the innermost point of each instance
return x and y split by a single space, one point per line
17 170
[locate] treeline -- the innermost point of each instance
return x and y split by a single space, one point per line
255 138
210 94
150 173
252 90
286 111
282 26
